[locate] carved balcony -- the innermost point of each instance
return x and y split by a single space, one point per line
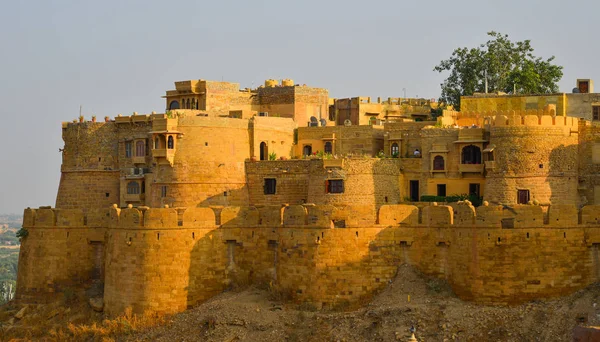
472 168
490 165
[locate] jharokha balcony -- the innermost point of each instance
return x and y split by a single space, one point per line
474 168
163 153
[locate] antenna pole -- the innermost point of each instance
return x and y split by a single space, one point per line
486 82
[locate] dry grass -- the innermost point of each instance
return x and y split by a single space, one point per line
123 325
105 330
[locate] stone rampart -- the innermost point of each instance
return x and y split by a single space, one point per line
169 259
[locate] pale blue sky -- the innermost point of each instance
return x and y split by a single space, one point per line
120 56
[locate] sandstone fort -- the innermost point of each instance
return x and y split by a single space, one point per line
321 199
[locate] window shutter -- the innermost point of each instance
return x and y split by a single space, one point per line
326 186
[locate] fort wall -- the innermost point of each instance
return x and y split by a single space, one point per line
535 153
57 253
291 177
169 259
367 182
88 189
90 170
208 167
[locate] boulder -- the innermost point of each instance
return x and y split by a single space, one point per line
97 304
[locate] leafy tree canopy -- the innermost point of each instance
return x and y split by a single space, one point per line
509 66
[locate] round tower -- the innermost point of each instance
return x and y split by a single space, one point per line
287 83
532 157
271 83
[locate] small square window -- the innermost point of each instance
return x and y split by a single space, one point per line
270 186
523 196
441 190
335 186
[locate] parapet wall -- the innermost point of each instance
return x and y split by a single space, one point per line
170 259
459 215
529 118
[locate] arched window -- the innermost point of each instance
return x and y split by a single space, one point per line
438 163
328 147
174 105
187 105
140 149
133 188
395 150
307 150
193 104
264 151
471 155
170 143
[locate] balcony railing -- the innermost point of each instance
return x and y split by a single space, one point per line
163 152
137 172
139 160
134 197
490 165
475 168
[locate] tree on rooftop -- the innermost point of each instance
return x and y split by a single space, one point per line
508 66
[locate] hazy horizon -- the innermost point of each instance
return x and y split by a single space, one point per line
121 56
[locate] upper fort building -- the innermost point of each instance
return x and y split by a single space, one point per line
202 151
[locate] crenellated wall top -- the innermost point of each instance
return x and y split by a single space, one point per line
456 215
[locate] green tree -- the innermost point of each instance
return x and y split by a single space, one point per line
508 66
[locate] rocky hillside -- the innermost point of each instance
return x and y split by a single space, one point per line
412 300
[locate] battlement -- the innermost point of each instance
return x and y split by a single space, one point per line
180 218
508 118
532 120
456 215
394 101
164 121
133 118
464 215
